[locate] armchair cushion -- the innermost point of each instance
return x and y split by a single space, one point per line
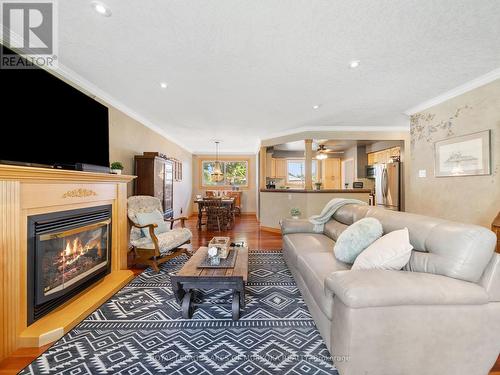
376 288
167 241
154 217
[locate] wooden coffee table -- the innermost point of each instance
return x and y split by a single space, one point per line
191 277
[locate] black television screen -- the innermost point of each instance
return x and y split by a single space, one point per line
49 122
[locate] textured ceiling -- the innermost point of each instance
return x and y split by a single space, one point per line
240 71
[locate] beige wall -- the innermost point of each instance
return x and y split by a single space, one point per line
469 199
248 196
275 206
128 137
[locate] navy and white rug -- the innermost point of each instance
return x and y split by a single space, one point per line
140 331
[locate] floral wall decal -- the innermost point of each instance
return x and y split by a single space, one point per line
422 128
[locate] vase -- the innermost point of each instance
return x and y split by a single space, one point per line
215 260
295 217
116 171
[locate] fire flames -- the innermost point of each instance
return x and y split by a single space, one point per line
75 249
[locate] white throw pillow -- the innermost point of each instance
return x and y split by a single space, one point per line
390 252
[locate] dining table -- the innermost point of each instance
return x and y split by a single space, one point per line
226 201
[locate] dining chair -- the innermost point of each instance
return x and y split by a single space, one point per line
218 215
237 203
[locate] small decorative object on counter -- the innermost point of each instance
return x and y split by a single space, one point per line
318 185
237 245
213 254
295 212
116 167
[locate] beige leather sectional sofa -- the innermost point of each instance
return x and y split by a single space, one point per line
441 315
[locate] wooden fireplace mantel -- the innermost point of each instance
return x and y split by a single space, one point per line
26 191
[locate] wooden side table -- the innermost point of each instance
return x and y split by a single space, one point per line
191 277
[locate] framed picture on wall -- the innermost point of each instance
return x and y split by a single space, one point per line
466 155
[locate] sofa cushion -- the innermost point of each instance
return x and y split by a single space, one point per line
300 243
314 269
378 288
356 238
333 229
447 248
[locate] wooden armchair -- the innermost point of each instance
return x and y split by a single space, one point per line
158 247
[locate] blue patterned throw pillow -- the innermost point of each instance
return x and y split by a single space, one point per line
357 237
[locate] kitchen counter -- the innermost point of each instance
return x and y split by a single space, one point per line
316 191
275 204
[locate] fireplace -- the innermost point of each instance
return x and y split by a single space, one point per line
67 252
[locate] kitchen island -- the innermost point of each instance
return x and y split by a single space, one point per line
275 204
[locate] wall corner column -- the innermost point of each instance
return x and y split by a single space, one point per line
308 164
262 168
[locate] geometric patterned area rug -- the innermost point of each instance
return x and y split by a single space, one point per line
140 330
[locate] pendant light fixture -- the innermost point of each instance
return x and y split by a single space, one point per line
217 175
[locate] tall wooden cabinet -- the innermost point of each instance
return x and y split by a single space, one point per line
155 177
277 168
331 173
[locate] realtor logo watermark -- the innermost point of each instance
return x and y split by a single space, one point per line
30 29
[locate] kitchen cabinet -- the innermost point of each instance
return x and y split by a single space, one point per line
280 168
331 172
277 168
383 156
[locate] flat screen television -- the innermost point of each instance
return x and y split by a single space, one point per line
47 122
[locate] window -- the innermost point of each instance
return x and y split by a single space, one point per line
296 171
235 172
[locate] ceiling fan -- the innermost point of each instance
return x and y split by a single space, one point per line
322 152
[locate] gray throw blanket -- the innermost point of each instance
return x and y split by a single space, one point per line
330 208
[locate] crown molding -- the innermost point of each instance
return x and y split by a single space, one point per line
226 153
462 89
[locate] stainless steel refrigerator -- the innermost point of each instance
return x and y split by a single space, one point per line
388 185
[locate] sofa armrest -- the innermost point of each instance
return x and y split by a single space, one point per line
377 288
296 226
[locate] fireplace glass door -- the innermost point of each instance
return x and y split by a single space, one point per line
67 252
68 257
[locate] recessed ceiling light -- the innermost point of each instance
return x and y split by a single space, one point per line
316 106
101 8
354 64
163 85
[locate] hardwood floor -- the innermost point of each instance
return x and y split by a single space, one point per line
245 229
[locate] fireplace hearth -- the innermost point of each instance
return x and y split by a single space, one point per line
67 252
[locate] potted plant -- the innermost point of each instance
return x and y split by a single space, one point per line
295 212
116 167
318 185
